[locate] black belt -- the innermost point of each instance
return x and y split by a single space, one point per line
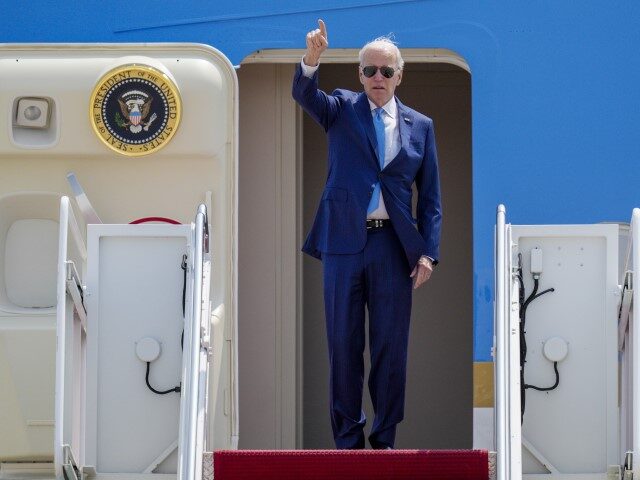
378 223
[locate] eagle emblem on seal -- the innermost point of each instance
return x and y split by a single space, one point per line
135 107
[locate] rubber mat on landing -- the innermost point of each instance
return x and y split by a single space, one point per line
351 465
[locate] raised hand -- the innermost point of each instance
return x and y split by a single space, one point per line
317 43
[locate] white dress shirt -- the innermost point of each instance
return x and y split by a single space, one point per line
391 144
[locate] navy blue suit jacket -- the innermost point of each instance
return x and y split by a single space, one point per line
340 223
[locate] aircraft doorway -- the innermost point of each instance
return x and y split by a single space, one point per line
282 342
439 403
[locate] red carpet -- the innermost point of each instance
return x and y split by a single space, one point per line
350 465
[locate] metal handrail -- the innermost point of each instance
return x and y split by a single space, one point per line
501 404
635 342
70 469
61 337
68 223
506 357
189 466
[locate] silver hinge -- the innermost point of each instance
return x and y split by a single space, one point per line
205 342
70 468
627 473
624 308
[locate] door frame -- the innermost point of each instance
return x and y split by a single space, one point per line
289 278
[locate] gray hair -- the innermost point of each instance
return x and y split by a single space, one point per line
386 42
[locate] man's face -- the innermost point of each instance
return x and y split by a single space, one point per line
378 88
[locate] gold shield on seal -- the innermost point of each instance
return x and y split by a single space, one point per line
135 109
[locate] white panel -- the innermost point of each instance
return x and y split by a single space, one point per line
483 434
134 290
574 427
27 373
27 335
24 218
31 252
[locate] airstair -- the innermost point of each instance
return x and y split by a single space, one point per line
106 418
566 361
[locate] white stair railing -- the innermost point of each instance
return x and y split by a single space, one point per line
625 347
71 333
196 354
635 319
628 339
506 357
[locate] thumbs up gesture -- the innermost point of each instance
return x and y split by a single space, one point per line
317 43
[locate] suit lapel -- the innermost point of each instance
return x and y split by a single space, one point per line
364 114
405 124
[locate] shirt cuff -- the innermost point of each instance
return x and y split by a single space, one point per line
308 71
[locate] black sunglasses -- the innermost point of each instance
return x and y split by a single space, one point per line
370 70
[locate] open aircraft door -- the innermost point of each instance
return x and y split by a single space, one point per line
564 350
146 327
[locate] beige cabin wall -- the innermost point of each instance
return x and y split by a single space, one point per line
268 258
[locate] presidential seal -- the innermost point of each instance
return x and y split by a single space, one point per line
135 109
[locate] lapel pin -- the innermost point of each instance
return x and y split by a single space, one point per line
407 119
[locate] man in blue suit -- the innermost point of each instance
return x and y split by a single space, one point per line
365 234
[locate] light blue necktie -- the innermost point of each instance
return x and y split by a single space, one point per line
378 124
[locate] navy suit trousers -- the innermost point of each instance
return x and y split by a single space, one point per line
376 278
